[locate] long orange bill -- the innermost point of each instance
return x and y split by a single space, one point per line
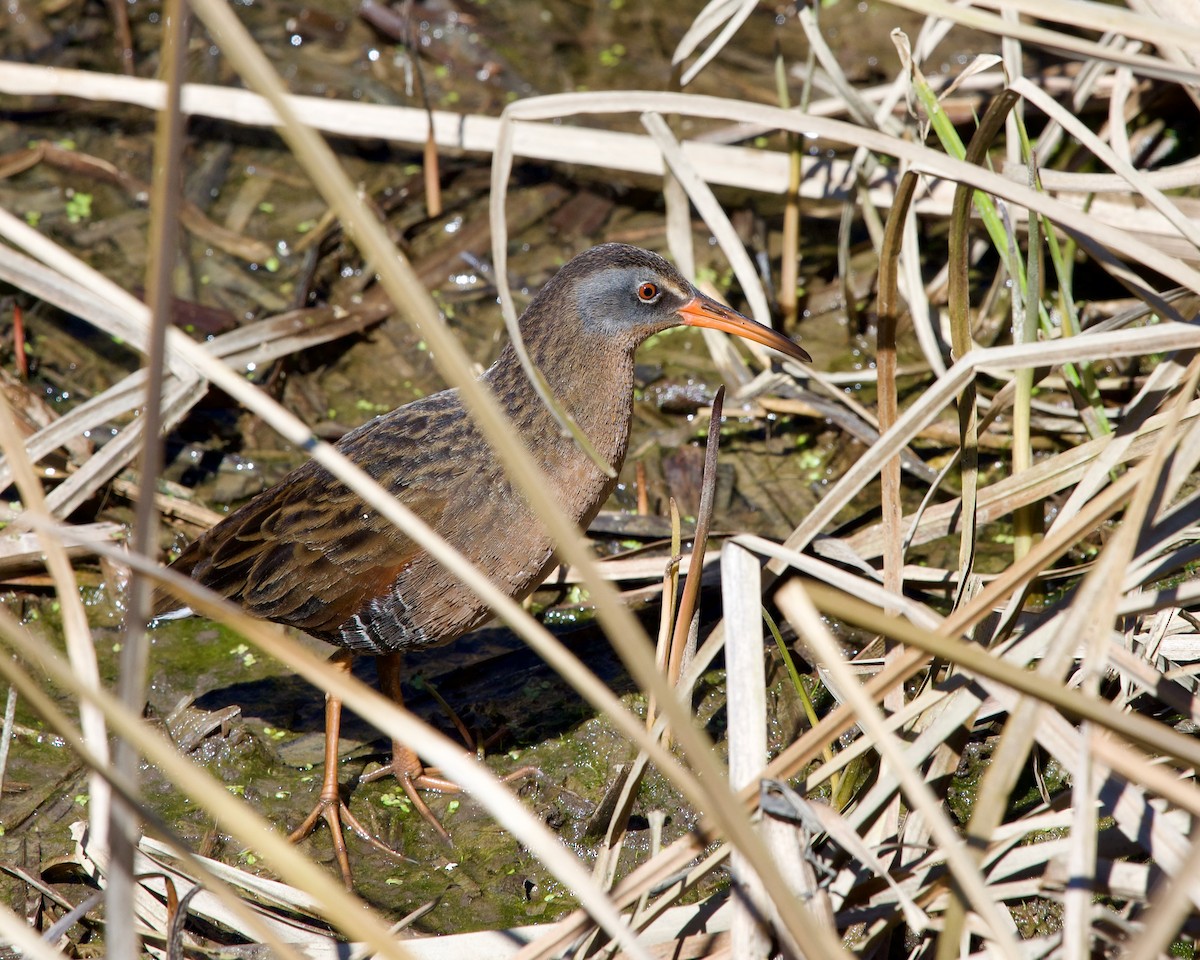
702 311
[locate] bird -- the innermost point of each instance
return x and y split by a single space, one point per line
309 553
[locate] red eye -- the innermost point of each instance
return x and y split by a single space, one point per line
648 292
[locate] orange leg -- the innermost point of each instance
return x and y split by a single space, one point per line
329 806
406 766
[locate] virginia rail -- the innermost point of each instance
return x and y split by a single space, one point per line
308 553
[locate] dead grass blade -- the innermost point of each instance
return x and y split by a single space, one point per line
747 709
165 206
726 14
17 932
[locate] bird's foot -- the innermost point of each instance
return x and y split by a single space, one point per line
415 776
335 813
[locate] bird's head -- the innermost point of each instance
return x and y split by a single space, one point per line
623 294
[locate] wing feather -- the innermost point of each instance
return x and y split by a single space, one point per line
308 552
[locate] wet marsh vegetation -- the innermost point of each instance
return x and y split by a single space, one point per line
967 721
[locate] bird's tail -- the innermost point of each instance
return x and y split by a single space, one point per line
164 605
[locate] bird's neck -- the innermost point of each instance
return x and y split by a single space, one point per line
596 388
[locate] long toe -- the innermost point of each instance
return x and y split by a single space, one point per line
413 786
337 817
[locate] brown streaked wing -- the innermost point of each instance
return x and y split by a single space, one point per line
307 552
